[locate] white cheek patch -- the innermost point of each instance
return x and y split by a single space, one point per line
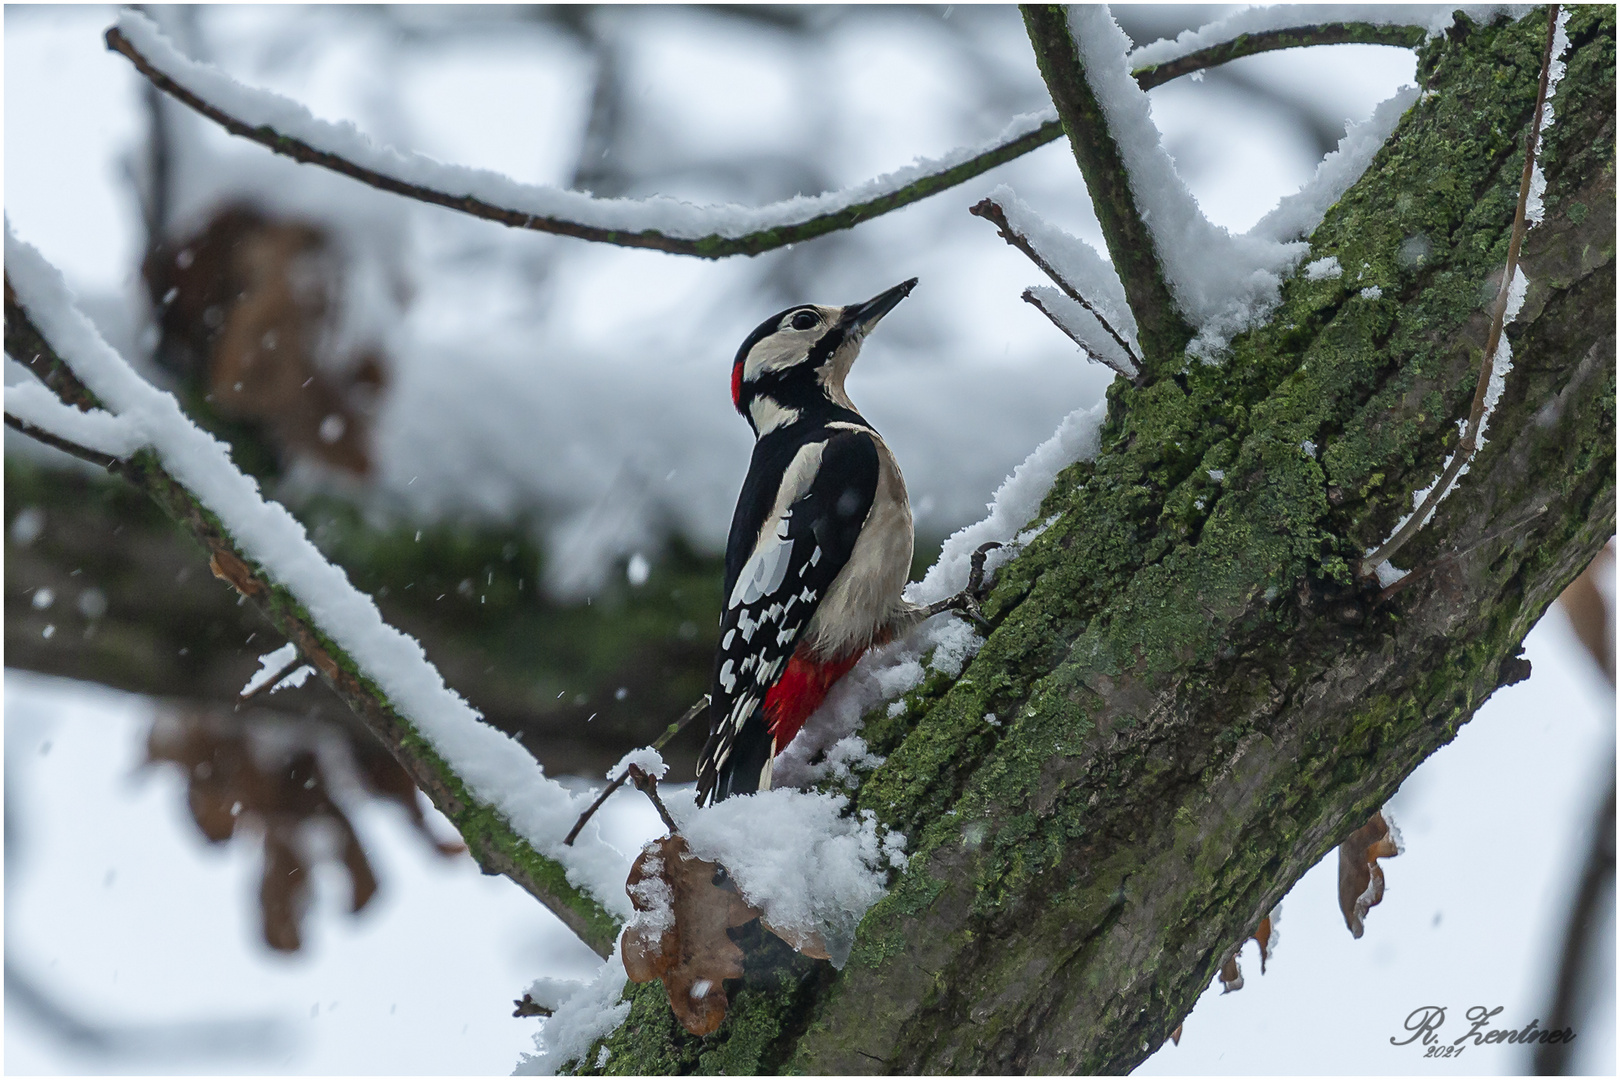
781 350
768 415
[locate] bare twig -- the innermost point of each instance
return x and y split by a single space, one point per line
1470 440
992 212
490 838
658 744
39 434
1160 328
648 785
1339 33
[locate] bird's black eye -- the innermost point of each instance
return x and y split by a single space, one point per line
804 320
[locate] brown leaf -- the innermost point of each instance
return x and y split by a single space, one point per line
1175 1036
227 567
249 307
808 942
283 892
1361 879
1265 936
679 931
267 785
1589 612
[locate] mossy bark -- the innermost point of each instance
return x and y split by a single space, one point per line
1194 699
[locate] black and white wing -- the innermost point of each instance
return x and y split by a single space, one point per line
789 540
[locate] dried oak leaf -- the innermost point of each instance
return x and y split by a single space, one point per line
1361 879
1265 936
678 933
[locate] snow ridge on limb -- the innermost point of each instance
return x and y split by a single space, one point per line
1222 284
660 222
519 813
1296 216
93 429
1433 19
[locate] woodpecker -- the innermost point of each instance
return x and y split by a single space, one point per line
820 544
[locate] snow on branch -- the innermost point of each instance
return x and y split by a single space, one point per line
1313 30
1190 284
659 223
1261 29
1078 270
512 816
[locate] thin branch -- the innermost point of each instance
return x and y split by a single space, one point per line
490 838
1339 33
83 453
1161 329
715 246
648 785
1582 938
1470 440
712 246
1033 299
618 781
1452 556
992 212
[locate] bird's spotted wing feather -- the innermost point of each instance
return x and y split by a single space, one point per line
793 556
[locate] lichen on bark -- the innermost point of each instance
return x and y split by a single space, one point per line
1195 700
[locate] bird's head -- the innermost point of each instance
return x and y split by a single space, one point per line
796 360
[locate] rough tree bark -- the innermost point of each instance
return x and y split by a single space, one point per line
1194 700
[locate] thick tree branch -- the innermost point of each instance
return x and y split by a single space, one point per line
1160 327
490 838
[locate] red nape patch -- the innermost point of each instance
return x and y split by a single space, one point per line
800 691
736 386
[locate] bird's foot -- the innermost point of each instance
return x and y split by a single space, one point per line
968 600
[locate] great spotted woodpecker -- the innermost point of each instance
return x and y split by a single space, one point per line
820 544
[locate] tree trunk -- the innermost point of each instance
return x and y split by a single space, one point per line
1194 700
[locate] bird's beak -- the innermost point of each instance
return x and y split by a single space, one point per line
862 317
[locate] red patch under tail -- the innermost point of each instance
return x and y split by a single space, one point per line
799 692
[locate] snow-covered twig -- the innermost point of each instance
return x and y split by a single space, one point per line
1161 329
993 212
1487 367
1034 298
1151 74
511 815
1248 27
659 223
56 442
